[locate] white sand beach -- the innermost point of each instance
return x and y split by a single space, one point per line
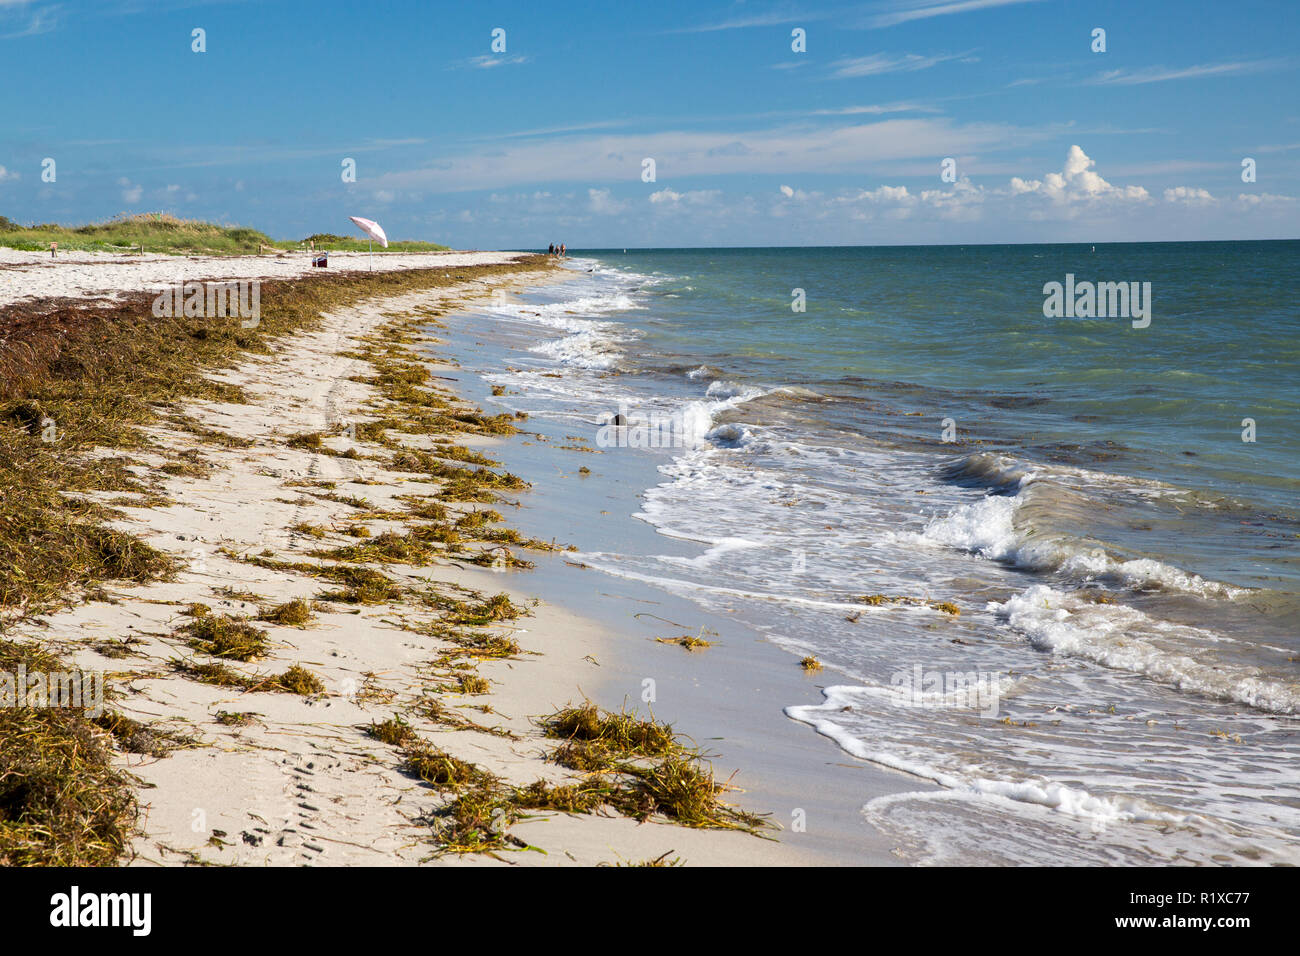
301 782
38 275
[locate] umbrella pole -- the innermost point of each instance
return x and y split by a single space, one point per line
372 255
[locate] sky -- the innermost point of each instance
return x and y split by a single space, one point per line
512 125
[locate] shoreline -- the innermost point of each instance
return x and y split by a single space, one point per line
297 779
735 691
659 338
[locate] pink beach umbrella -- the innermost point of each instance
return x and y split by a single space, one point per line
375 232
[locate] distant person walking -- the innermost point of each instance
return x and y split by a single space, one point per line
550 250
563 250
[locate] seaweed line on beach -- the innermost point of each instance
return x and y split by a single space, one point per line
77 378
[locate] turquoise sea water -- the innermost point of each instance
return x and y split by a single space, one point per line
1126 567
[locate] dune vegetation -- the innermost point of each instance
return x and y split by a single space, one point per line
163 233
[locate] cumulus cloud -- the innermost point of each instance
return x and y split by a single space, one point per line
798 195
1077 187
1076 182
881 194
693 197
961 201
6 175
1188 195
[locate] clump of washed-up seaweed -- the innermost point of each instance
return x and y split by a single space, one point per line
221 635
630 765
878 600
295 613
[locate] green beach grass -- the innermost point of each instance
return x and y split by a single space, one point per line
164 233
334 243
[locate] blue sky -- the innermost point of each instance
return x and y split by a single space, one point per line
753 143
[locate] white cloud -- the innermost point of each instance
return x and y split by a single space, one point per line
876 109
7 176
694 197
1059 195
788 150
757 20
881 194
907 10
1076 182
878 63
490 60
1189 196
29 22
798 195
961 201
1264 199
1161 74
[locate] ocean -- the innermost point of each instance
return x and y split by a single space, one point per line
1050 562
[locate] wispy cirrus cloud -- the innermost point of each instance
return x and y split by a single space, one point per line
25 18
789 149
561 130
877 63
876 109
489 60
904 12
1160 74
773 18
